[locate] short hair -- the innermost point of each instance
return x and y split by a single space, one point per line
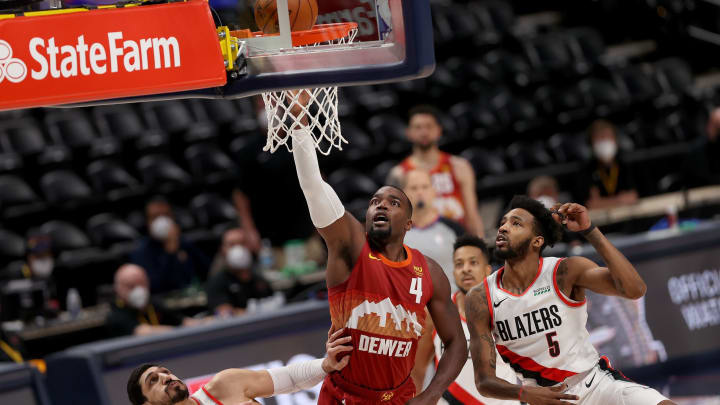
544 224
600 125
471 240
407 199
157 199
425 109
134 388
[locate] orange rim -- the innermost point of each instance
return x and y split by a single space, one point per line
317 34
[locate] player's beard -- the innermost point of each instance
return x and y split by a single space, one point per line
179 395
513 252
380 236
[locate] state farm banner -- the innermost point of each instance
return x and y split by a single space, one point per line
108 53
362 12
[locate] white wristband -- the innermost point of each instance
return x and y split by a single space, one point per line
297 377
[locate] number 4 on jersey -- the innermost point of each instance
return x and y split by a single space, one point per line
416 288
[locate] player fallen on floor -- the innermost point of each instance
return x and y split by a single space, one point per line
152 384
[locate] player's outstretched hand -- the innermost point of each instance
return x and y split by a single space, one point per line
336 345
571 215
547 395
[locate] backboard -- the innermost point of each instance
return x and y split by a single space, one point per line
153 51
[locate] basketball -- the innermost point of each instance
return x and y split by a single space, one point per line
303 14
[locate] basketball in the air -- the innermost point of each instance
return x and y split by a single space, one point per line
303 14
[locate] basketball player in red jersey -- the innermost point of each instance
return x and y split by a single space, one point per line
452 176
152 384
533 311
379 290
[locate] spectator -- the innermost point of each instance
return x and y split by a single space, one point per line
610 181
171 261
452 176
134 312
702 167
228 291
38 268
432 234
544 189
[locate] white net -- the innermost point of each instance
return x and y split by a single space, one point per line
314 110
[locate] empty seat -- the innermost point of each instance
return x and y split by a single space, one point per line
587 48
15 191
221 112
603 95
548 53
170 116
157 170
350 184
24 137
513 68
637 84
211 210
108 175
208 163
71 128
360 144
12 246
380 172
567 148
485 162
64 235
389 129
119 120
62 186
107 229
674 74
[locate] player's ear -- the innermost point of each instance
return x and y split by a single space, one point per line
538 241
408 225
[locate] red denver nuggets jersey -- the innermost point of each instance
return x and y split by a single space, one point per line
449 200
382 305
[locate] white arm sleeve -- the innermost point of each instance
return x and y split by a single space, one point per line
324 204
297 377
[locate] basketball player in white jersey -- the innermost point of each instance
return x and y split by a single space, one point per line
533 311
151 384
470 257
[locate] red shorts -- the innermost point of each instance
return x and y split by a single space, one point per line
335 390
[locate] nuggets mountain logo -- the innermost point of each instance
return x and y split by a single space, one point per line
382 309
12 69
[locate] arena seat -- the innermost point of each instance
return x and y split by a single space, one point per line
513 68
71 128
484 161
586 47
119 120
61 187
381 171
23 137
15 191
160 171
107 229
65 236
351 184
211 209
108 176
389 129
637 84
12 246
209 164
566 148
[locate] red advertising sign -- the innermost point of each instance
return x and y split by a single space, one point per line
108 53
362 12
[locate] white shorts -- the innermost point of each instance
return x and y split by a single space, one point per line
603 385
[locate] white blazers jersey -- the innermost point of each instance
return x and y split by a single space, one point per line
463 389
541 333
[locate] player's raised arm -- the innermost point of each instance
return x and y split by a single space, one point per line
482 350
447 324
342 233
618 278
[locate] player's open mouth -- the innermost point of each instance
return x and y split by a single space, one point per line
501 240
468 279
380 219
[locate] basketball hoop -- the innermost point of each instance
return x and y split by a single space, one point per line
321 107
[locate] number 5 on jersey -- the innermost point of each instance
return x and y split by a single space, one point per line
416 288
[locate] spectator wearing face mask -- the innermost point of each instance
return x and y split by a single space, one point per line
229 290
37 268
133 312
171 261
610 182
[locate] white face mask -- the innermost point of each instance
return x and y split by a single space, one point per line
605 150
160 227
239 257
547 201
138 297
43 268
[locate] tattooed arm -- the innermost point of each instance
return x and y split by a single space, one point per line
576 273
482 350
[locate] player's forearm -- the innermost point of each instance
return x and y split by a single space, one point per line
494 387
628 282
449 366
324 205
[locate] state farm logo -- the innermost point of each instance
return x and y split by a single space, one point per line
51 59
12 69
